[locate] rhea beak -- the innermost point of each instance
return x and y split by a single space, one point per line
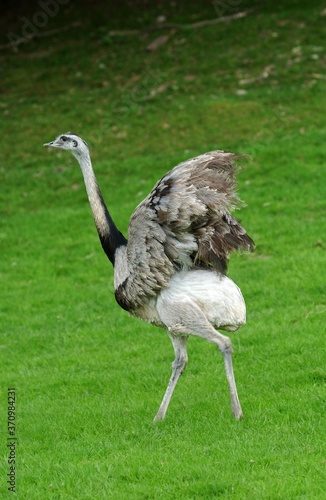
49 144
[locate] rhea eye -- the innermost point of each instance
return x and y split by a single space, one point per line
75 144
64 138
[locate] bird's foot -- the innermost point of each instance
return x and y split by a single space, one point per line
159 416
237 413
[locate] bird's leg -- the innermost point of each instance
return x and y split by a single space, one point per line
192 320
178 366
224 344
227 354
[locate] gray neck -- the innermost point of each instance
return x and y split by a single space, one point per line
110 237
94 196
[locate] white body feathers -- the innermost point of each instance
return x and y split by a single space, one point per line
217 296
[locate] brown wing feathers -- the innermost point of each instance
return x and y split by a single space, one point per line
196 197
183 222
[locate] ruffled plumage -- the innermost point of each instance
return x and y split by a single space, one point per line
184 222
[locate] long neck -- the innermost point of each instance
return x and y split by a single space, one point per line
109 235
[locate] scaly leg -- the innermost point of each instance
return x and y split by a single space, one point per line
188 318
178 366
227 354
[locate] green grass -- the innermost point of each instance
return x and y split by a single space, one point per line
89 378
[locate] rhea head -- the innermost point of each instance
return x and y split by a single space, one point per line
71 142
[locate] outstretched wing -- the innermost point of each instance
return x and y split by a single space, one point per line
185 221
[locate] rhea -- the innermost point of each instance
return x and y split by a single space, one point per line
172 269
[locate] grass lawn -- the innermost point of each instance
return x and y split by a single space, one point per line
88 378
